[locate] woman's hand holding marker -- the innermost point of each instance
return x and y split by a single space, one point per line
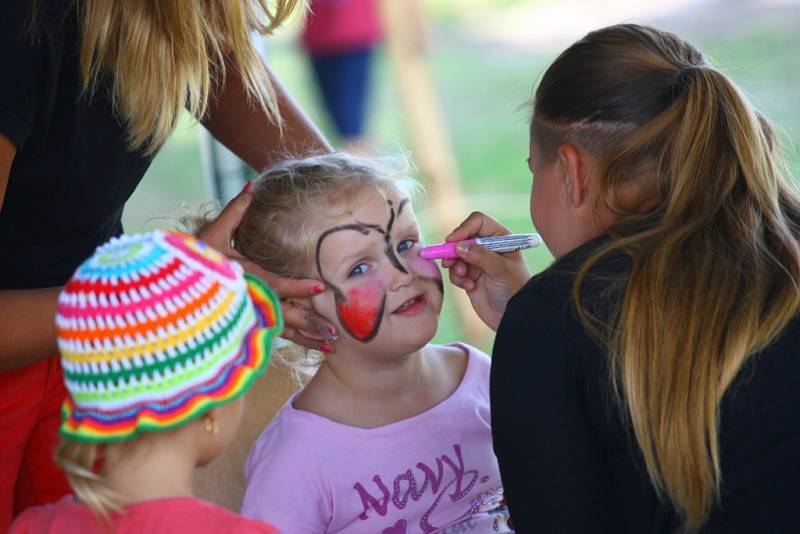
490 279
300 325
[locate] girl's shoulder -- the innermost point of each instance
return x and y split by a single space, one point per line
461 352
289 433
468 365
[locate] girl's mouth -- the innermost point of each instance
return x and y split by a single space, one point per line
412 306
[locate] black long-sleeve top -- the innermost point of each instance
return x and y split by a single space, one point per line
73 170
570 463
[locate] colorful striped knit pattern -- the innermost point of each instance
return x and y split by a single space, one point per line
156 329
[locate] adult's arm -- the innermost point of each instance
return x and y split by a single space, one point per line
245 129
27 330
552 463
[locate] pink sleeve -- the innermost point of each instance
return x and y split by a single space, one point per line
252 526
26 522
285 487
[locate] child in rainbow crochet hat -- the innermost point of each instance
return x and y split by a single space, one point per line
160 336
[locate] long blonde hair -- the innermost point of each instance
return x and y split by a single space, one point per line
78 460
715 263
161 56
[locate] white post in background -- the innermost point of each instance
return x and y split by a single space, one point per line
223 171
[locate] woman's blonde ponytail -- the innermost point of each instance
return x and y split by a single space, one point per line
715 261
713 284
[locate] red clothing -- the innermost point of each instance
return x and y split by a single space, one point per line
177 514
30 414
335 26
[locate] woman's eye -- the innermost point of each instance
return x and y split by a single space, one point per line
358 270
404 245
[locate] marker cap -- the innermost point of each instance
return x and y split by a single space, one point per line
445 251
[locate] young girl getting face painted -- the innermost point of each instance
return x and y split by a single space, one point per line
383 295
391 434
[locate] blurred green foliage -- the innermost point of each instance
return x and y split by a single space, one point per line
483 87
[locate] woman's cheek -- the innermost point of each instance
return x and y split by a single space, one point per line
361 309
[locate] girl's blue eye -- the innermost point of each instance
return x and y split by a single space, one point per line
404 245
358 270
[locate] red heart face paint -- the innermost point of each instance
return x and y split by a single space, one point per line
362 311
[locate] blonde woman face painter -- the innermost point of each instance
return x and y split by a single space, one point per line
87 123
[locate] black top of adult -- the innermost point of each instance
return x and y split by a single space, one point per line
73 172
569 462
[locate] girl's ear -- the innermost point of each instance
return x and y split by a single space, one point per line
574 173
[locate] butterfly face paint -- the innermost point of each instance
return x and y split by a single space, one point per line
361 296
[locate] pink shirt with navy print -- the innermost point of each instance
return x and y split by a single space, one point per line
434 472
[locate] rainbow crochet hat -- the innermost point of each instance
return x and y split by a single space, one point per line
156 329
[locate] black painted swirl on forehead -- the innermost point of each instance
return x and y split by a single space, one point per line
365 229
387 237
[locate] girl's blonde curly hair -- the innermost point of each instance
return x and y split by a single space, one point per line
291 200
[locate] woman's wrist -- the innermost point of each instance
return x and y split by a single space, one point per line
27 326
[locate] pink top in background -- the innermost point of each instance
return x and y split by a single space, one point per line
335 26
177 514
434 472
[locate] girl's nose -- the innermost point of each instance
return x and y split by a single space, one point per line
401 277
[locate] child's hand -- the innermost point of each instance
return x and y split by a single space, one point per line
301 326
490 279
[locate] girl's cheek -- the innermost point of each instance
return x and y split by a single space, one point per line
425 268
361 313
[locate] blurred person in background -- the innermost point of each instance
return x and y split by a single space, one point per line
340 37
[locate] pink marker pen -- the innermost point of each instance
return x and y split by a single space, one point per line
499 244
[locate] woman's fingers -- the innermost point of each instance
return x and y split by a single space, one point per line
301 326
480 259
460 281
285 288
308 329
297 337
309 323
477 225
219 232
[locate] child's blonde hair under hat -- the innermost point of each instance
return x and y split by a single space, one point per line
156 329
